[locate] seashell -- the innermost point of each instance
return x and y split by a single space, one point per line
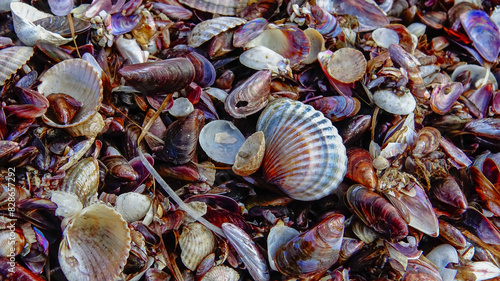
63 107
60 25
317 45
118 168
78 79
204 70
100 230
221 44
433 19
418 269
182 138
428 139
251 96
278 236
483 32
402 104
133 206
288 41
60 7
325 23
172 11
481 98
477 73
444 96
349 247
337 108
181 107
221 7
249 31
23 16
369 15
166 75
355 128
452 235
261 57
485 127
208 29
376 212
384 37
12 242
247 250
82 180
196 242
130 50
304 154
221 272
120 24
417 28
312 252
450 193
221 141
250 155
360 168
12 59
346 65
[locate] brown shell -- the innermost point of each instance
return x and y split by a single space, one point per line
347 65
82 179
250 155
251 96
360 168
196 242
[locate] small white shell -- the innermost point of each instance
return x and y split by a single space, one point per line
392 103
441 256
181 107
208 29
217 93
95 246
278 236
5 5
384 37
133 206
417 28
221 141
130 50
261 57
196 242
221 272
68 204
305 156
12 59
23 17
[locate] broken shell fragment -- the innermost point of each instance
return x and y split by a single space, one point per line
208 29
402 103
221 141
250 155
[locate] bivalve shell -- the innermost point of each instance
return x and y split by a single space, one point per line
261 57
221 272
250 155
347 65
12 59
133 206
396 104
95 246
305 156
196 242
221 141
222 7
82 180
208 29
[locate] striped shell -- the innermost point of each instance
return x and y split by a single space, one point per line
82 180
95 246
196 242
221 272
208 29
304 154
12 59
221 7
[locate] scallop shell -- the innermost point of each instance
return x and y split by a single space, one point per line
221 141
12 59
347 65
221 272
23 16
208 29
196 242
222 7
95 246
393 103
250 155
304 154
261 57
78 79
133 206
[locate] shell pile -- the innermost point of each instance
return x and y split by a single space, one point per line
249 140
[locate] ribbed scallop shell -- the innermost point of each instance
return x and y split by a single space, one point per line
222 7
196 242
221 272
12 59
208 29
304 154
95 246
78 79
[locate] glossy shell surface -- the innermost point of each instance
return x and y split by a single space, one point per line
208 29
403 104
304 154
221 141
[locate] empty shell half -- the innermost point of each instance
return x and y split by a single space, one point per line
261 57
221 7
12 59
196 242
250 155
304 156
133 206
221 141
347 65
95 245
208 29
403 103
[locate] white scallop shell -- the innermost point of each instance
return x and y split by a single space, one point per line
78 79
396 104
196 242
221 141
305 156
261 57
23 17
221 272
133 206
208 29
12 59
95 246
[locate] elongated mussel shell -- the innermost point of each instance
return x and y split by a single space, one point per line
444 96
251 96
376 212
483 32
248 32
60 25
95 245
312 252
337 108
161 76
12 59
222 7
304 154
208 29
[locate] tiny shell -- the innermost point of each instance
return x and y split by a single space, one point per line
182 107
133 206
12 59
221 272
347 65
441 256
100 230
208 29
261 57
130 50
393 103
221 141
196 242
250 155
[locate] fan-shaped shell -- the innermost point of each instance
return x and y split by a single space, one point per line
347 65
12 59
82 180
78 79
221 272
196 242
222 7
95 246
304 154
208 29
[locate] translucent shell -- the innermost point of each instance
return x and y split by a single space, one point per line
347 65
222 7
304 154
196 242
12 59
221 141
60 7
95 245
483 33
251 96
208 29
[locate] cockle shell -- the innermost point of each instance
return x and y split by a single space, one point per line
95 245
133 206
221 272
78 79
261 57
23 16
304 154
403 104
12 59
82 180
221 141
250 155
222 7
196 242
208 29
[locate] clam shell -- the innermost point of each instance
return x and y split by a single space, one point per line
221 272
133 206
250 155
347 65
261 57
95 245
82 180
384 37
208 29
392 103
78 79
278 236
476 73
248 32
12 59
221 141
23 16
304 154
222 7
196 242
317 45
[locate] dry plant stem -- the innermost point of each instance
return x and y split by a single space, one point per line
487 65
374 122
70 21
